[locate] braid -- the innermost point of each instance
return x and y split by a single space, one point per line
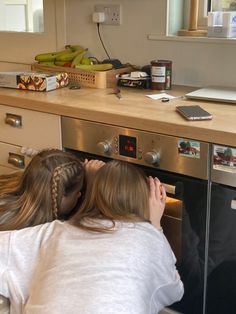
55 179
66 171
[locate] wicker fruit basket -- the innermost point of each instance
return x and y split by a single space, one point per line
95 79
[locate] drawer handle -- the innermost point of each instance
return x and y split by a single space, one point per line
16 160
13 120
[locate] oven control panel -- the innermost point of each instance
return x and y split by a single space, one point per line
140 147
127 146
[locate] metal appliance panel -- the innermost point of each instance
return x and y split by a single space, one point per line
104 140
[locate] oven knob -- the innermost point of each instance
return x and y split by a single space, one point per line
104 147
152 158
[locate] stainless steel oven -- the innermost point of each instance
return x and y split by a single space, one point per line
182 165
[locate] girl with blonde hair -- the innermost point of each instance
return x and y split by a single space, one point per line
111 256
120 192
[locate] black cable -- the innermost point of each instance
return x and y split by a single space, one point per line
98 27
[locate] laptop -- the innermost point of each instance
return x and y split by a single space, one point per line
221 94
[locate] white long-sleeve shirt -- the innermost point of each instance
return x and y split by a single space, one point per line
57 268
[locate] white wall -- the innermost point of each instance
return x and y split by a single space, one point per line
194 63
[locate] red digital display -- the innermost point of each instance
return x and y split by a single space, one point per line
127 146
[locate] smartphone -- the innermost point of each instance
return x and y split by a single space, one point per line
193 112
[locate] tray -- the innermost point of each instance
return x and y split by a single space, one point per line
95 79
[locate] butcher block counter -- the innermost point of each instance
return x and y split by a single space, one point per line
133 110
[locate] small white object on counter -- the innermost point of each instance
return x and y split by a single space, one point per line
138 74
162 95
135 75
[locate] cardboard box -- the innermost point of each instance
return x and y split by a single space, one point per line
34 81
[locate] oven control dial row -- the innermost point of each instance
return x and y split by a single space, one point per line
152 158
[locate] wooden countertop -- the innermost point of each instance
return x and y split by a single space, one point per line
133 110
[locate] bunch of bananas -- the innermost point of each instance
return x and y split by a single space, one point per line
72 56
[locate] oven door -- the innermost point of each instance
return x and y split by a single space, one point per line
184 224
221 279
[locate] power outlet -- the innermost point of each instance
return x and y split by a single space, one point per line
112 13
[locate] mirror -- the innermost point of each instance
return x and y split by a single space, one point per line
21 16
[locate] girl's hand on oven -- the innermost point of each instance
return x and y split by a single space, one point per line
91 167
157 201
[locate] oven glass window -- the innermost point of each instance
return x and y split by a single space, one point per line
127 145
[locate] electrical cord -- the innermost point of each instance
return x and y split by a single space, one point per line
98 28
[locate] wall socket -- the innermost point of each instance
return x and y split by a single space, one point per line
112 13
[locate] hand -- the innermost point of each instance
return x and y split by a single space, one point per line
157 201
91 167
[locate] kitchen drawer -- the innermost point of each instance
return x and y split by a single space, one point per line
29 128
11 157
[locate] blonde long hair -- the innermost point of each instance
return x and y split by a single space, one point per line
36 195
120 192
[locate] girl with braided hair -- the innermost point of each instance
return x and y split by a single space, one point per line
110 257
8 182
48 189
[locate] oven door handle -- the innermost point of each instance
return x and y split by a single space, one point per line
173 189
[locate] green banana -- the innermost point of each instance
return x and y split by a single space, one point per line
86 60
62 52
95 67
42 57
78 58
50 56
75 48
69 56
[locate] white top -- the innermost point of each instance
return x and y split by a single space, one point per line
129 271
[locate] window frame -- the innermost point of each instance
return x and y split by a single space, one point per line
21 47
173 9
204 8
27 7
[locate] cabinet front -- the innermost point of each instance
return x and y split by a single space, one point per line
29 128
23 133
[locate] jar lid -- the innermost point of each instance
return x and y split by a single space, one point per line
156 62
165 61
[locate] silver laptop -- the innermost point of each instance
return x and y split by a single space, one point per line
221 94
